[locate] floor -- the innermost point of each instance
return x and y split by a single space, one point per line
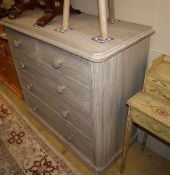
138 163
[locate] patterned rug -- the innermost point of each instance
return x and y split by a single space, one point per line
23 150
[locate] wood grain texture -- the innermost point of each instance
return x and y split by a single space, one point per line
78 41
21 43
75 138
97 79
149 113
150 108
154 126
113 82
157 92
157 76
55 102
74 92
69 64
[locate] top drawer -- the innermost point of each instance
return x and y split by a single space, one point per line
65 62
21 43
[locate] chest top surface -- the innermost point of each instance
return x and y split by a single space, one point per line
79 40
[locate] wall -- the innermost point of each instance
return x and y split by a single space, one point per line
149 12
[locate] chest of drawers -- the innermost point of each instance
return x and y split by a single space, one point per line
78 87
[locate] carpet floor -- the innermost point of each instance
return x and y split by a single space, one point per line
25 151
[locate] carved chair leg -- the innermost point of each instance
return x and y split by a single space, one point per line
50 13
144 141
23 7
127 140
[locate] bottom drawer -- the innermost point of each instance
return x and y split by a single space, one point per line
152 125
76 139
157 92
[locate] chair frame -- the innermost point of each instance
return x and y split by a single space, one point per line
102 18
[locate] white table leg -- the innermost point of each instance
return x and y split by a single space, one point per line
102 19
111 11
66 14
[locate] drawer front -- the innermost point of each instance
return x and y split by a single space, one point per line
77 94
152 125
61 61
75 138
61 107
25 63
157 92
159 83
21 43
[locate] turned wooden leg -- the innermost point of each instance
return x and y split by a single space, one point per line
111 11
102 19
127 140
144 141
66 13
50 13
30 5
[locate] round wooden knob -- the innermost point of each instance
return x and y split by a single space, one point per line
23 66
17 43
60 89
65 114
35 109
29 87
57 63
69 137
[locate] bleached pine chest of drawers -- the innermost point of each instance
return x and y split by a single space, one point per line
79 87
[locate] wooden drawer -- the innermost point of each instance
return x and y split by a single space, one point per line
74 92
61 107
21 43
25 63
159 83
61 61
57 124
151 125
157 92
